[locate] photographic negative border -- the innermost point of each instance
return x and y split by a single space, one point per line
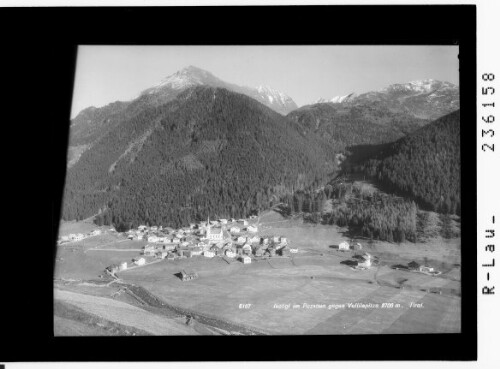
47 41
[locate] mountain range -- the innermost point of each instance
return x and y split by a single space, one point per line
425 99
192 76
208 151
194 145
344 126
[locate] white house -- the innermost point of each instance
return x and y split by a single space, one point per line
153 239
202 245
426 269
196 251
254 239
76 237
234 230
243 221
230 253
343 246
246 259
142 227
247 249
139 236
208 254
365 263
283 240
252 229
96 232
276 239
140 261
149 250
241 239
294 251
123 266
223 221
154 228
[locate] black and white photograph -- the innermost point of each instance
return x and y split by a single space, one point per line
261 190
204 185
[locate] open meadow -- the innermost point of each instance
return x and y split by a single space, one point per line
312 292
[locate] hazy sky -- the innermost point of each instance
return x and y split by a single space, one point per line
108 73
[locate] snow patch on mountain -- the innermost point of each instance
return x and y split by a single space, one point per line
336 99
193 76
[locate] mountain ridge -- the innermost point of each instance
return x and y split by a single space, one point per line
207 150
426 99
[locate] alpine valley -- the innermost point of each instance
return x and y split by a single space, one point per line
194 145
205 208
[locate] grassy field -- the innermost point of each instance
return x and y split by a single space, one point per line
123 314
222 287
315 276
66 228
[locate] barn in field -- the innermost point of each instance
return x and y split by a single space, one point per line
344 246
246 259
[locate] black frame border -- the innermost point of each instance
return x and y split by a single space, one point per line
45 41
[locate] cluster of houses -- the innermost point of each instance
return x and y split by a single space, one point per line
214 244
224 238
345 246
74 237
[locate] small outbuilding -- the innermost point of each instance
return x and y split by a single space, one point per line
344 246
246 259
234 230
426 269
140 261
208 254
247 249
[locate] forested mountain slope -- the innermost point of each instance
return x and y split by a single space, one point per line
424 165
208 151
344 126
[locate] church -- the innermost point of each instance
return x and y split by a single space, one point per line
214 234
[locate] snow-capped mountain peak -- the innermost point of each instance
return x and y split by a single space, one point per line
184 78
418 86
273 96
193 76
336 99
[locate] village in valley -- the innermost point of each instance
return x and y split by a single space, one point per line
202 207
230 239
227 276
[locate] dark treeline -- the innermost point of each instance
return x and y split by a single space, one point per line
209 152
424 166
370 214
